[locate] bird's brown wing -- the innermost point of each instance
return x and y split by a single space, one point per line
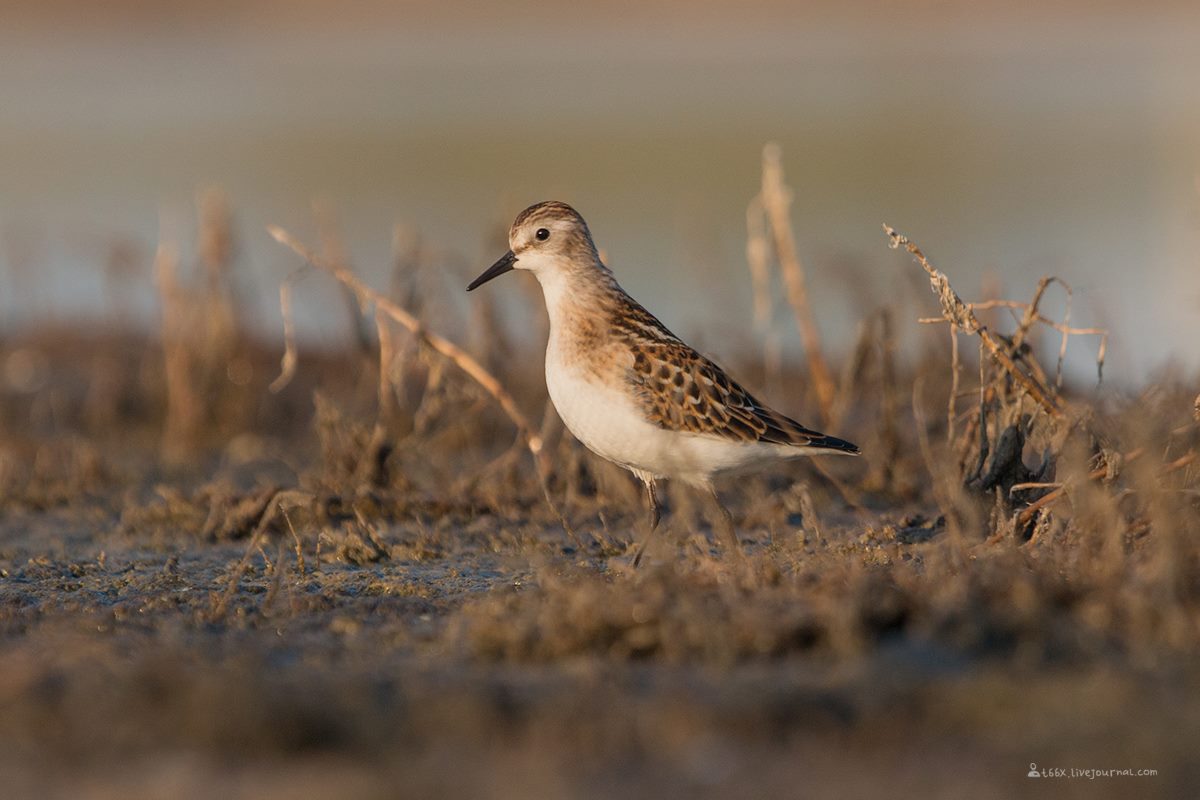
679 389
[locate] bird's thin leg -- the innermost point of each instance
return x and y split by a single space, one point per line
655 516
728 531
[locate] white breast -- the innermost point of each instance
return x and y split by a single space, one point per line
607 421
602 418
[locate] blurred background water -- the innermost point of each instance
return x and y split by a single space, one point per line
1009 142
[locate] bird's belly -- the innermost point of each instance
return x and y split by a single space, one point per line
607 421
604 420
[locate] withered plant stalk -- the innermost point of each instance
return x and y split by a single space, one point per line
184 409
962 317
777 202
758 259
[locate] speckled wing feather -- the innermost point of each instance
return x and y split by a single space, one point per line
681 390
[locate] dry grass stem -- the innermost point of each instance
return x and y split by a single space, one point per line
959 314
758 259
387 357
184 410
776 200
955 378
290 359
279 503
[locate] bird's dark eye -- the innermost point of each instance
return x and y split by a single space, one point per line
542 234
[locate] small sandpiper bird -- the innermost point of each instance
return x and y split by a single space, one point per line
628 388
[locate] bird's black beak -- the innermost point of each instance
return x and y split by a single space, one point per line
505 264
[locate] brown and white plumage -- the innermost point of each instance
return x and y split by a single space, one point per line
628 388
681 390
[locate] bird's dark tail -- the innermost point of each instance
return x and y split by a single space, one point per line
785 430
833 445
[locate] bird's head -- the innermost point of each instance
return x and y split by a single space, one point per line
548 239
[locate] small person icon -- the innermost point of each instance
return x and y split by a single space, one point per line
1033 771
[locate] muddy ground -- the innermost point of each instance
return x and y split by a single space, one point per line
138 664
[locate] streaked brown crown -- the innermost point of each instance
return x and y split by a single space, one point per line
549 211
574 239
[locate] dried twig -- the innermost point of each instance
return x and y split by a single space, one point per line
808 514
955 376
279 503
777 201
387 356
184 408
216 250
960 315
1031 313
758 258
287 364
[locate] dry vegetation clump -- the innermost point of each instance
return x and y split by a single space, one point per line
1058 601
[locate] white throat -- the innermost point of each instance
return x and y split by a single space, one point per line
557 284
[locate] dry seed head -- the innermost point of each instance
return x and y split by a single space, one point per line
954 309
